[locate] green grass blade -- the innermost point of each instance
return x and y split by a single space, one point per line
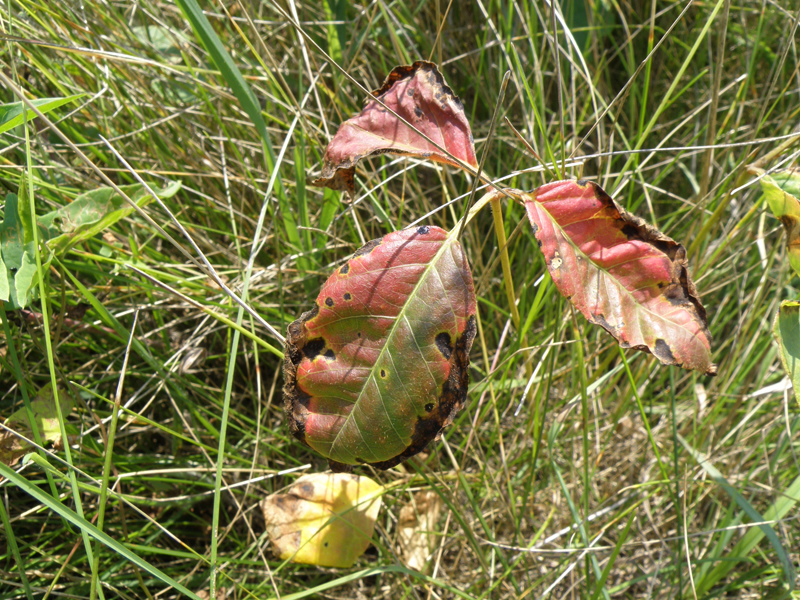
742 550
223 61
92 531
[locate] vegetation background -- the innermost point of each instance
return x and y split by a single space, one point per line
608 476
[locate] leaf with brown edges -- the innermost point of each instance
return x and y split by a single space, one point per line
621 273
381 363
419 94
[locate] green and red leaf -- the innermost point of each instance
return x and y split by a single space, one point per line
621 273
381 364
419 94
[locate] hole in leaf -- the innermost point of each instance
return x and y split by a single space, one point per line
444 344
312 349
345 269
347 296
423 230
383 374
329 354
329 302
429 407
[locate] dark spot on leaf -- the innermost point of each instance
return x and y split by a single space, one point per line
418 112
329 302
313 348
663 352
367 248
307 489
383 374
454 393
539 243
444 344
429 407
329 354
325 544
345 269
788 223
601 320
631 232
423 230
347 296
358 334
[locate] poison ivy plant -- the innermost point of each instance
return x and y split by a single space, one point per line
385 338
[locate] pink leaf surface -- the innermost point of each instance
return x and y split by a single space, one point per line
381 363
621 273
419 94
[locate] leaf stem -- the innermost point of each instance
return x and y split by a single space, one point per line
502 244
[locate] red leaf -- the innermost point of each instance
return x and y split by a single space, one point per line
419 94
381 364
621 273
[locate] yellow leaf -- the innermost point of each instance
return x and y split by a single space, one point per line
323 519
46 416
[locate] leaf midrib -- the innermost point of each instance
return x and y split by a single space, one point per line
448 241
617 281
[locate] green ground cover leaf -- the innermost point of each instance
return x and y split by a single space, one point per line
78 221
92 212
787 333
19 265
782 190
12 115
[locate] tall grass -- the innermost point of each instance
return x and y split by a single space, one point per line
576 469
